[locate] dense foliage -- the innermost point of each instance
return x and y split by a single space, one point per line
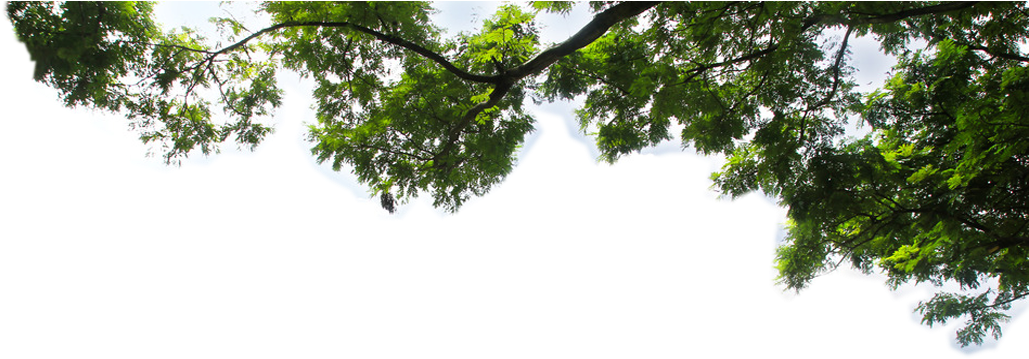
937 192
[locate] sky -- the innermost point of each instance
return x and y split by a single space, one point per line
871 64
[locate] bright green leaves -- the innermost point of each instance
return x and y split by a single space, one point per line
905 258
498 37
562 7
483 97
922 174
484 117
506 40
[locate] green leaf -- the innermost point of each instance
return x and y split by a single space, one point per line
922 174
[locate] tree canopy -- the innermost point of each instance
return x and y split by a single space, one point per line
937 191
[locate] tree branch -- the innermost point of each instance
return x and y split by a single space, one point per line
174 46
703 68
836 76
391 151
602 80
428 54
1005 302
454 134
1002 55
587 35
935 9
887 18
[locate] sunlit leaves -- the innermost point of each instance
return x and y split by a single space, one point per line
506 40
922 174
905 258
938 192
562 7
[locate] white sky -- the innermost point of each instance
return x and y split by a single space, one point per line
872 67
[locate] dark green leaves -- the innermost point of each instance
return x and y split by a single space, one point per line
983 315
113 56
83 49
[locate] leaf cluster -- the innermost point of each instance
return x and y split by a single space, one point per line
936 193
403 122
112 56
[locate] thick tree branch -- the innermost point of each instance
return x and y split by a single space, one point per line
428 54
887 18
587 35
935 9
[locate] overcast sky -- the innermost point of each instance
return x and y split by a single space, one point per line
872 67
